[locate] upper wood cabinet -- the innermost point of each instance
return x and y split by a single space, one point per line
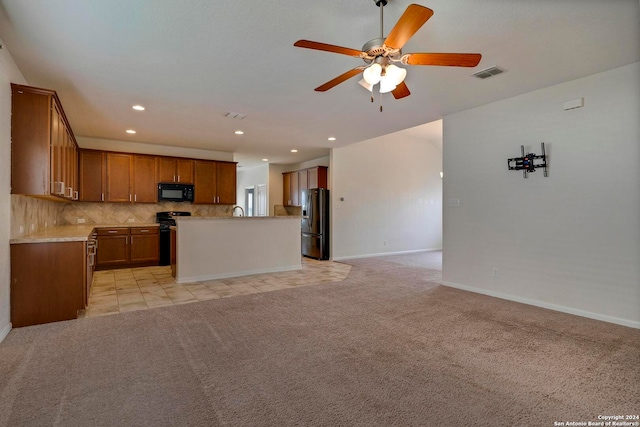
214 182
43 147
290 190
145 170
92 175
293 184
118 172
175 170
226 183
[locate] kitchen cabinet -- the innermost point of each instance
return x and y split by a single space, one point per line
317 177
294 182
226 183
92 175
48 282
290 191
113 247
145 170
214 182
118 172
145 245
117 177
43 147
121 247
175 170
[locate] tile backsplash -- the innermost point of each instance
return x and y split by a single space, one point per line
279 210
127 213
30 214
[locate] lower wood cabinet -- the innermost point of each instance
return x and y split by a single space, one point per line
113 248
144 245
122 247
48 282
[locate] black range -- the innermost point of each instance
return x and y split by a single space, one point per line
166 220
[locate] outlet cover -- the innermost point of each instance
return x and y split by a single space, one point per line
80 220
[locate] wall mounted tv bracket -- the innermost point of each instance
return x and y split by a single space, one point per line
528 162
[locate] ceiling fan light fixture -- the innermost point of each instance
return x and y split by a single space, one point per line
387 84
395 74
372 73
365 85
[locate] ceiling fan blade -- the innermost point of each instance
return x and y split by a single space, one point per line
411 20
341 78
445 59
401 91
308 44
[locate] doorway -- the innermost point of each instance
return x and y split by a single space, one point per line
249 200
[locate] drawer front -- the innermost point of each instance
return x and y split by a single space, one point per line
112 231
144 230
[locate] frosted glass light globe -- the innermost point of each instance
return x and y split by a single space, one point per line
372 73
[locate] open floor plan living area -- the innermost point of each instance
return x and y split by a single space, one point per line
388 345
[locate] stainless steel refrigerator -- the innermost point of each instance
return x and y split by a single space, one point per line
315 223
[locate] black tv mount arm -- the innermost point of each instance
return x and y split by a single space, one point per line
528 162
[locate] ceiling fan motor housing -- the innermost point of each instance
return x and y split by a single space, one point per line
380 2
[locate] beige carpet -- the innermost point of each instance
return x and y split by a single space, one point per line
386 347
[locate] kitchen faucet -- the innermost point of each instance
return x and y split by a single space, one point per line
236 207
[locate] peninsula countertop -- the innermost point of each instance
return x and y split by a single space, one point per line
227 218
70 233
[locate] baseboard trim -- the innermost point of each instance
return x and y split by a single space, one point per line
5 331
542 304
237 274
342 258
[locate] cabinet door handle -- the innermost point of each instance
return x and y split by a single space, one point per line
174 178
102 197
135 198
75 195
178 178
129 197
113 231
144 231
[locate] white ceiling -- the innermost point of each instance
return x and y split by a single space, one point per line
191 61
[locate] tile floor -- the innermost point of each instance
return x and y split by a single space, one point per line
118 291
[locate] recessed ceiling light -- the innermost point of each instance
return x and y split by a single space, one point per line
131 131
265 160
294 151
138 107
332 138
239 132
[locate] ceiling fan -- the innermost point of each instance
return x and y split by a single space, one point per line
381 54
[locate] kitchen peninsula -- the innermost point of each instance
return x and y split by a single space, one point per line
218 247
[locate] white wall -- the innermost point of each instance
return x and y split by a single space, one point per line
392 196
570 241
251 178
9 73
274 189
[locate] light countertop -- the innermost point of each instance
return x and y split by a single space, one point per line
261 218
70 233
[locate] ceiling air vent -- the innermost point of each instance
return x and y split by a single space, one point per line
486 73
232 115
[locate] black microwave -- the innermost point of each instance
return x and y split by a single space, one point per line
171 192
